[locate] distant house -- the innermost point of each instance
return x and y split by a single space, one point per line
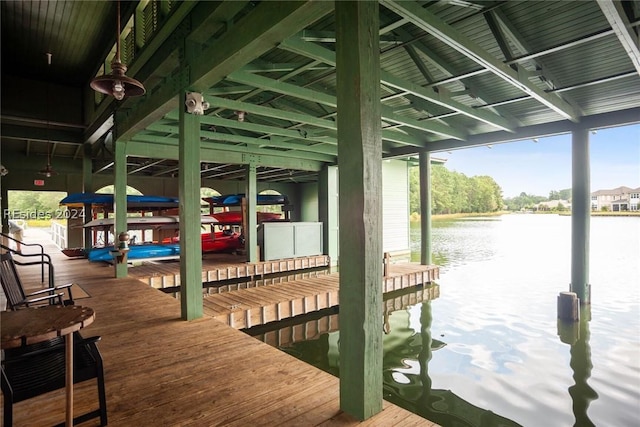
616 200
553 204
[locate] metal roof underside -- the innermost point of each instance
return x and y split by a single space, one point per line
453 74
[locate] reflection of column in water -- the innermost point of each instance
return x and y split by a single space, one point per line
581 393
425 354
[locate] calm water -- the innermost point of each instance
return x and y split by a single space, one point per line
487 351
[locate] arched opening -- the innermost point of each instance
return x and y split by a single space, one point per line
110 189
105 238
270 208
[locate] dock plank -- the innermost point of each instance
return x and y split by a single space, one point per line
163 371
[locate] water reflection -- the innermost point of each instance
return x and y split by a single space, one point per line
408 384
492 343
407 352
576 334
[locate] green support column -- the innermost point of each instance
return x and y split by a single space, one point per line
360 192
251 194
189 187
580 214
87 187
4 205
328 210
120 198
425 208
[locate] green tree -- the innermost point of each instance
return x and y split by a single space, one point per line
523 201
454 192
34 204
565 194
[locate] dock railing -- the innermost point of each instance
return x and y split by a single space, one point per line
59 234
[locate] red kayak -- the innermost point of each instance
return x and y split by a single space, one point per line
221 241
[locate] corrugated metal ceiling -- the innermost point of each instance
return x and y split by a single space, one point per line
552 40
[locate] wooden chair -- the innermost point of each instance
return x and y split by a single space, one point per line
35 369
14 291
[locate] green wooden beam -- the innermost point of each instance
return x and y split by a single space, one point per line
264 129
87 187
189 193
259 66
295 44
120 199
360 189
278 86
441 98
330 100
430 23
425 207
151 146
580 214
270 112
387 135
251 193
68 136
293 150
254 34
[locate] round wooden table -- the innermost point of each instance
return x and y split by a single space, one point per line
33 325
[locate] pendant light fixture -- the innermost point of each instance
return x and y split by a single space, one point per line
117 84
48 170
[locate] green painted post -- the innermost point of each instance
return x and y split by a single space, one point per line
120 199
4 207
189 193
87 187
360 211
251 193
580 214
425 208
328 210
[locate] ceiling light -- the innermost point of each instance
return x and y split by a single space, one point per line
117 84
48 170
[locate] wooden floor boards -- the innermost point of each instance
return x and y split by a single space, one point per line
163 371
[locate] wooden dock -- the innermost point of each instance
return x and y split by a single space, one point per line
163 371
287 335
219 267
295 295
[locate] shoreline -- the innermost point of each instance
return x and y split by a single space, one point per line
441 217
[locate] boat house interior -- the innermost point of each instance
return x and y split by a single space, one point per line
307 98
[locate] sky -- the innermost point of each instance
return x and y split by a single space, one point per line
537 168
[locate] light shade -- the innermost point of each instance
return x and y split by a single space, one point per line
117 84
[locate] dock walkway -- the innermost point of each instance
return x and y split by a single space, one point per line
163 371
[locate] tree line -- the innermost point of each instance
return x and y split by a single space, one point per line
454 192
529 201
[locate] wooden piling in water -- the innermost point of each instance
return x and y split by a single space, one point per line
568 306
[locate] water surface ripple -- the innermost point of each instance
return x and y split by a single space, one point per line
488 350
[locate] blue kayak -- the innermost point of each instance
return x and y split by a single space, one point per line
136 252
236 199
133 201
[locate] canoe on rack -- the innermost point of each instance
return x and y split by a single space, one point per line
235 217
